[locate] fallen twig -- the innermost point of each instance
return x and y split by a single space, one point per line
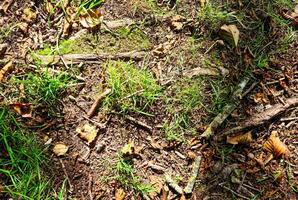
261 118
193 176
97 124
227 110
96 103
199 71
146 126
173 184
66 174
235 193
90 187
89 58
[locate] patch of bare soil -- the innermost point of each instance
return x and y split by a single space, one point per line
227 171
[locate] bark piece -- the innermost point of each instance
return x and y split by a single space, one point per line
89 58
3 48
193 176
263 117
173 184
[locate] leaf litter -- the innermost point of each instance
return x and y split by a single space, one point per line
151 148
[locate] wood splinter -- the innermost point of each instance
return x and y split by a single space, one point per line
96 103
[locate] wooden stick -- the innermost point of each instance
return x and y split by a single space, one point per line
260 118
193 176
227 110
96 103
89 58
146 126
173 184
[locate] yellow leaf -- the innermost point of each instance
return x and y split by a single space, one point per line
60 149
29 15
120 194
230 33
87 132
6 69
128 149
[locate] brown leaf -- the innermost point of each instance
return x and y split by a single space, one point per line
5 70
240 139
120 194
177 22
260 98
156 182
91 18
3 48
230 33
24 109
275 146
87 132
23 26
60 149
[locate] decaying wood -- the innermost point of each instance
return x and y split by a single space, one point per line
173 184
96 103
227 110
5 70
89 58
263 117
193 176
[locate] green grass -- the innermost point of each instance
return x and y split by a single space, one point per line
43 87
21 161
126 176
133 89
185 97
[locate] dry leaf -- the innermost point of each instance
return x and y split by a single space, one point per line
60 149
240 139
203 2
230 33
128 149
275 146
157 183
191 155
177 22
260 98
29 15
91 18
87 132
24 109
120 194
6 69
23 26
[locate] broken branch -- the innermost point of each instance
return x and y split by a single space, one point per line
96 103
227 110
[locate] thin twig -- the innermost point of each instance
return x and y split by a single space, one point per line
235 193
146 126
96 103
90 187
66 174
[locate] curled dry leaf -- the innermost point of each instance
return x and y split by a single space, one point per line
275 146
230 33
29 15
87 132
240 139
91 18
60 149
24 109
177 22
5 70
120 194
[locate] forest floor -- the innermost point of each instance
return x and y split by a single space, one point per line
141 99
